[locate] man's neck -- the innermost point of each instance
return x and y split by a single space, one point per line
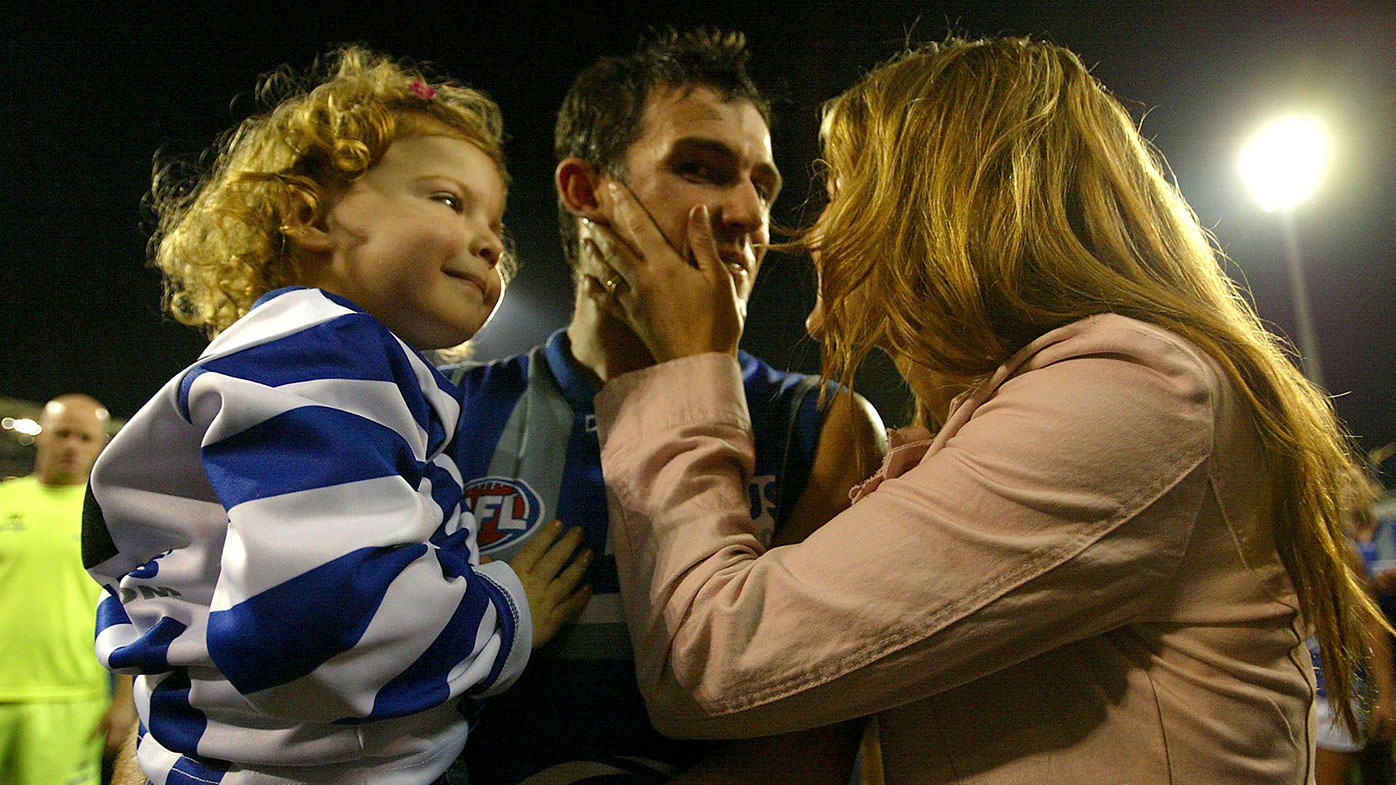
60 481
603 345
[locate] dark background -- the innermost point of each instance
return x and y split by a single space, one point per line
91 92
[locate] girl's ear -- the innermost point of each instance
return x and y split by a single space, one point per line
578 187
302 224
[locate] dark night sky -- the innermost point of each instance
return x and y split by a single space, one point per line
91 94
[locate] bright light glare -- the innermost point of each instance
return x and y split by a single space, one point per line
1283 163
24 425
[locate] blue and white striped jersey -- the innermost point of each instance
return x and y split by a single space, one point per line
287 565
528 454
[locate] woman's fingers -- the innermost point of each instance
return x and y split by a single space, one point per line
599 277
708 259
701 241
637 230
677 306
729 286
597 272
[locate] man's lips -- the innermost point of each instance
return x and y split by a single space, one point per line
736 258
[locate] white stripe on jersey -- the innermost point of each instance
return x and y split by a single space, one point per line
311 527
369 399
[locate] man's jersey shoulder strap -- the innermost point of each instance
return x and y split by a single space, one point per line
489 394
786 421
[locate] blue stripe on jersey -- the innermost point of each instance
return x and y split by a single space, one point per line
423 684
286 453
508 629
185 384
353 346
276 636
445 491
110 611
583 491
786 420
188 772
583 498
805 426
173 721
456 561
488 398
150 652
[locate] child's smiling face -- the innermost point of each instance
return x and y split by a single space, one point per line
417 240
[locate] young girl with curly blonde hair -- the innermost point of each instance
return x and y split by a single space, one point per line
287 564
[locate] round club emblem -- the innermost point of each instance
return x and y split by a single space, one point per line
505 509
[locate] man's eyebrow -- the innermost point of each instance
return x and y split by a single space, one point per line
701 144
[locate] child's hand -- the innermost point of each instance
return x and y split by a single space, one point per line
554 598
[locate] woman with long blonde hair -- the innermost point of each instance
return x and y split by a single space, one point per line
1103 564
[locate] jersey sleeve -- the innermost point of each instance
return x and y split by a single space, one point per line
348 586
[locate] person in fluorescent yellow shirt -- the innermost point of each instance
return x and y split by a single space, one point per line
59 714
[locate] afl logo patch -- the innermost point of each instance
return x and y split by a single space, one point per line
505 508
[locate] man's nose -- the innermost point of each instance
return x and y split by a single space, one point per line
743 211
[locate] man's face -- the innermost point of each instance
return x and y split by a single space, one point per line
696 149
74 432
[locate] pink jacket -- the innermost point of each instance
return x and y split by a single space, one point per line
1074 581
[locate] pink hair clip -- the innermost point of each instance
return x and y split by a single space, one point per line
423 91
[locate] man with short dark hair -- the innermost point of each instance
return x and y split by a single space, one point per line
56 702
680 124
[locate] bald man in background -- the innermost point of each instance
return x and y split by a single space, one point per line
60 716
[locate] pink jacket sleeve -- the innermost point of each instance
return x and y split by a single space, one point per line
1052 507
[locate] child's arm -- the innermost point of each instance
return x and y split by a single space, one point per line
118 720
125 769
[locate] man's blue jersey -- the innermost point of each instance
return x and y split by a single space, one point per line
528 453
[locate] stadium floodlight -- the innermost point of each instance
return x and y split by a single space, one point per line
1284 162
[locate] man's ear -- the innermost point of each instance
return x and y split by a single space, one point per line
579 186
303 225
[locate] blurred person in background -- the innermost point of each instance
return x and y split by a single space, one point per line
1376 542
59 714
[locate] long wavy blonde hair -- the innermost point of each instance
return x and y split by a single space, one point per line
988 191
220 241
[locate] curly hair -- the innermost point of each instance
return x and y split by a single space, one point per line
220 242
986 192
603 112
